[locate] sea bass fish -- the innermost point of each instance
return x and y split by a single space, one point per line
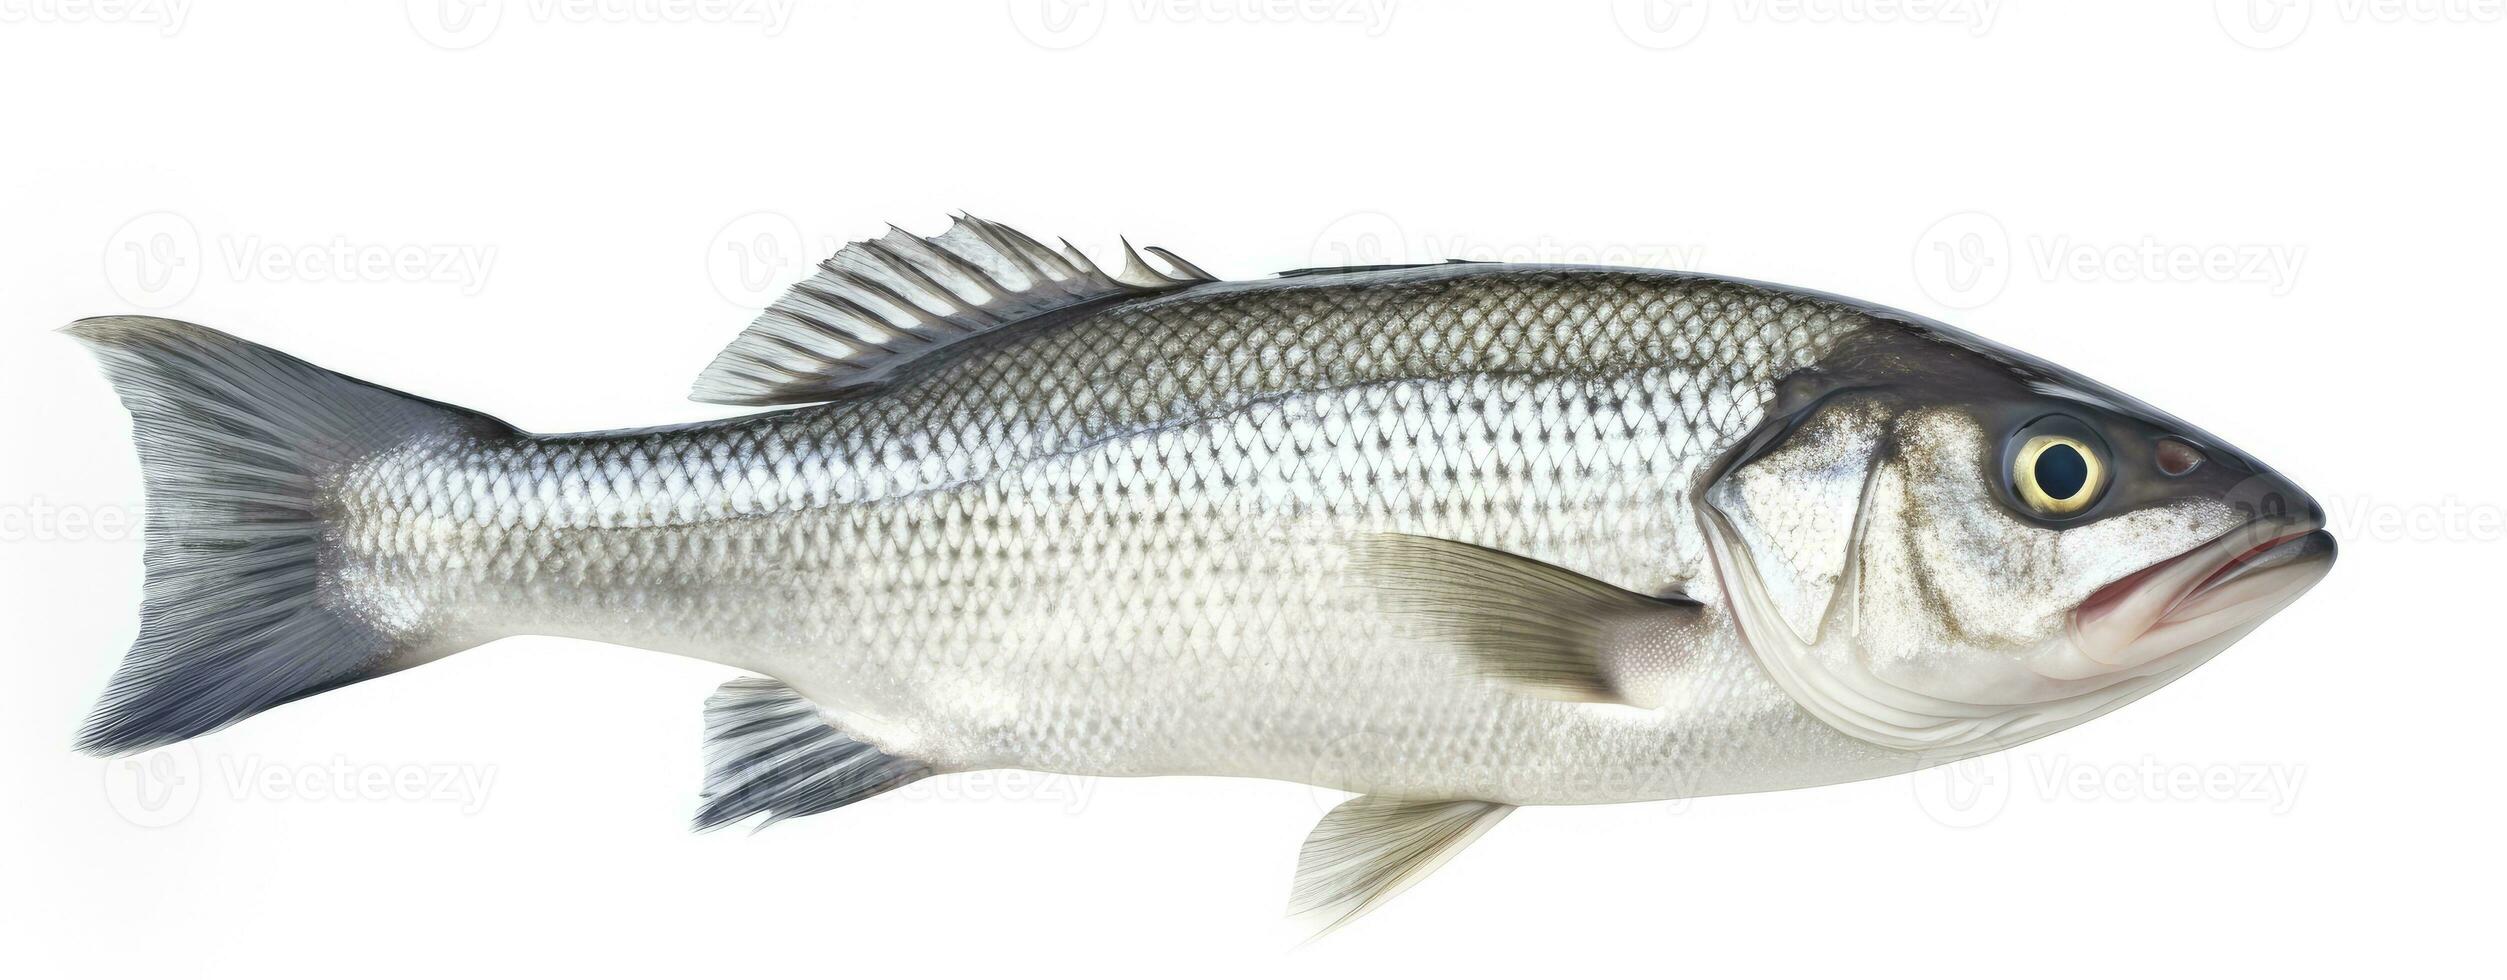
1458 538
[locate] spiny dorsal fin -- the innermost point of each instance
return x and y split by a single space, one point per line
1370 848
876 305
769 750
1539 628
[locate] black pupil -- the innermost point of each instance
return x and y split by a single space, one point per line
2061 471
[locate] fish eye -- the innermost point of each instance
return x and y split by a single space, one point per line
2057 473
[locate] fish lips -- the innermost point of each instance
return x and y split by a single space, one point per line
2229 583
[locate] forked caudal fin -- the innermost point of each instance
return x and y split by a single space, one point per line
235 441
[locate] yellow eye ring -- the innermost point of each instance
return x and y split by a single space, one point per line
2057 476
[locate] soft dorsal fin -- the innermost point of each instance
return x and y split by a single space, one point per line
876 305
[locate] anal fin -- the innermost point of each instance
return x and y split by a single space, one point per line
1370 848
769 750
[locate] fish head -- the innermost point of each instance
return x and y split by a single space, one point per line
1937 544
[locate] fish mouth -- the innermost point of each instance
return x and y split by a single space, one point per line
2225 585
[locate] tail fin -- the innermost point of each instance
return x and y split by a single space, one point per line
235 442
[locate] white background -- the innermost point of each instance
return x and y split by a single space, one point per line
2279 221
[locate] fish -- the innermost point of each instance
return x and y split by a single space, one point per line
1456 538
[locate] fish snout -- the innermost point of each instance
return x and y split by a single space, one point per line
2274 554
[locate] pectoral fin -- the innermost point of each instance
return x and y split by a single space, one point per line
1370 848
1544 629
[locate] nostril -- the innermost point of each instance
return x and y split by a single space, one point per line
2178 458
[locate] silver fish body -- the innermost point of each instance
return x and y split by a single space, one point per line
1121 546
1458 538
